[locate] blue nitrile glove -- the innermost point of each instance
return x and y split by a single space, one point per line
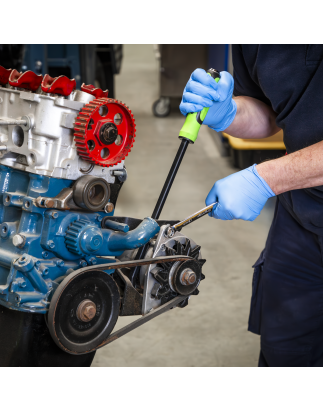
241 195
202 91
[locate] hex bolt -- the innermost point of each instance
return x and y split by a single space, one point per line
37 264
99 218
60 263
45 254
86 311
50 243
92 260
54 214
83 263
18 240
188 277
22 283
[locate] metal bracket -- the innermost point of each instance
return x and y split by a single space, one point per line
63 201
131 300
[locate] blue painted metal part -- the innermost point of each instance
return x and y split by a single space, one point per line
55 241
114 225
133 239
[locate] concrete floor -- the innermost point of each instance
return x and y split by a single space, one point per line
212 330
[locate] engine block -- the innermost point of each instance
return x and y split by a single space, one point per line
54 190
67 263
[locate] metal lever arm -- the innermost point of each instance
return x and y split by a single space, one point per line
193 217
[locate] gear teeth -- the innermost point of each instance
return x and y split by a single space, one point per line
81 130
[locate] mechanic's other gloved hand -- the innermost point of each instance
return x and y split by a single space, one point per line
241 195
203 91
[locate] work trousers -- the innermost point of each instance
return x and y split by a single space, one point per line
287 295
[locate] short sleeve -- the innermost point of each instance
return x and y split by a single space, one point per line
244 84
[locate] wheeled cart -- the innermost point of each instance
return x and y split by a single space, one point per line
177 62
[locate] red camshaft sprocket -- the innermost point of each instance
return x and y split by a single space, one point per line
104 132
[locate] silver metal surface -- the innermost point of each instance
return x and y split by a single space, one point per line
13 122
147 281
37 135
17 240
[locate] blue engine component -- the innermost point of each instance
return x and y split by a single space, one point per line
40 246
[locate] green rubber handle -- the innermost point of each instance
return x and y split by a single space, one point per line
194 121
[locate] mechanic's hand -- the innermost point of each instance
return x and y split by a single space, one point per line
241 195
203 91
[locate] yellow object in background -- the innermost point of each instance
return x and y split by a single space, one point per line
274 142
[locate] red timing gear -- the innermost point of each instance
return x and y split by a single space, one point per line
104 132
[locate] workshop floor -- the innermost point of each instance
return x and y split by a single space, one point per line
212 329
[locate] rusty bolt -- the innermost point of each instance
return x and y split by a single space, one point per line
86 311
49 203
109 207
188 277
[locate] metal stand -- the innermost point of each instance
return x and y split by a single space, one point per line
25 342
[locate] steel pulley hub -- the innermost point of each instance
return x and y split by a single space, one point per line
187 277
83 311
104 132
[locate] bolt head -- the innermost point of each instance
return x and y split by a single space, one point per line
86 311
108 132
51 244
17 240
109 207
22 284
170 232
50 203
188 277
92 260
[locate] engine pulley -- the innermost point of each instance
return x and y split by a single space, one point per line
104 132
83 311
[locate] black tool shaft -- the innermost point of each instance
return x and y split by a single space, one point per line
162 199
170 179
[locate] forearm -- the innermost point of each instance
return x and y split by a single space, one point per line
302 169
254 119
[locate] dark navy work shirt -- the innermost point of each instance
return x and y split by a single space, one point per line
289 78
